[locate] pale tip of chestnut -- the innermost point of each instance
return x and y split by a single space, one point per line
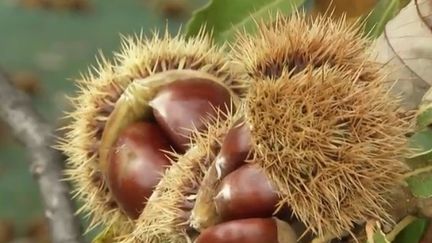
219 165
225 194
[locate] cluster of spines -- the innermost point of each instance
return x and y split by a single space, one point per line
331 143
325 128
289 44
102 87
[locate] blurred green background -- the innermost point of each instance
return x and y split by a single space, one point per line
43 50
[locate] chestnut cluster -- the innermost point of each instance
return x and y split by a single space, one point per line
245 200
142 150
271 141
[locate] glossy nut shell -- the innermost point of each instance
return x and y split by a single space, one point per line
185 104
136 164
246 193
254 230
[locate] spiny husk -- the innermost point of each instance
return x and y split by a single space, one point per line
97 96
163 219
293 42
326 131
331 143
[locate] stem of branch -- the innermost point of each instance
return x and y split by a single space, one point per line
391 236
46 166
418 171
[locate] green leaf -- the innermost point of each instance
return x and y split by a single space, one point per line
412 233
421 144
384 11
374 229
225 17
421 184
379 237
424 118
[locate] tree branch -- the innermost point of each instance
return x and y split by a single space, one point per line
30 129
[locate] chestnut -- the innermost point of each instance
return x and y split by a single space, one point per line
136 165
253 230
234 151
246 193
184 104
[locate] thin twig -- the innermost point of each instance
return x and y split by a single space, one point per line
46 166
418 171
391 236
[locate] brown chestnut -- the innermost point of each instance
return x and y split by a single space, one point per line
234 151
253 230
184 104
136 164
246 193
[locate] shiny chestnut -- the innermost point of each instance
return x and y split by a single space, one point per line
246 193
254 230
136 164
234 151
185 104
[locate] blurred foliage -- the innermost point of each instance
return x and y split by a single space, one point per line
225 18
384 11
421 143
421 185
413 232
379 237
43 50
